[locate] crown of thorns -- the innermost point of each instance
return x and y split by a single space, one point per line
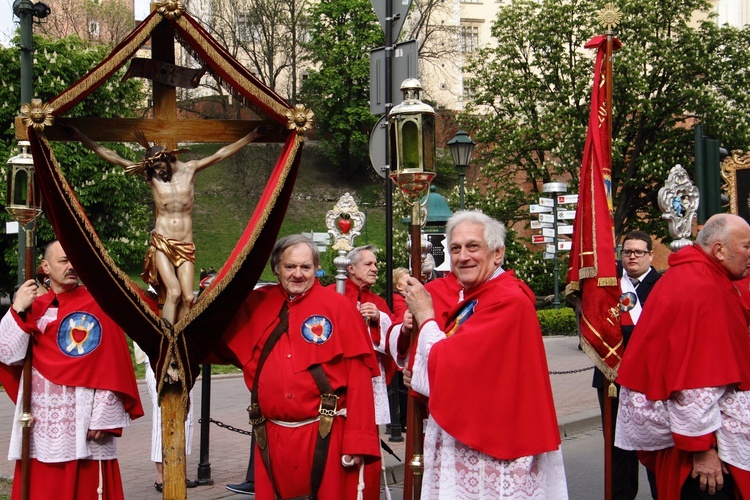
163 155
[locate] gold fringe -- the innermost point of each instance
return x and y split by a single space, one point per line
587 272
607 281
609 373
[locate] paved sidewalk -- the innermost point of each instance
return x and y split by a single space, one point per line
575 401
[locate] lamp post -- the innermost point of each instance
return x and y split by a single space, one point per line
461 147
24 204
411 133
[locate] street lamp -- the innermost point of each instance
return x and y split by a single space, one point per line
411 132
461 147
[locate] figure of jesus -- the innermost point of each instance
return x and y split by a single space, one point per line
170 260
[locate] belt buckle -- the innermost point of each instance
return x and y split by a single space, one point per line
254 414
326 402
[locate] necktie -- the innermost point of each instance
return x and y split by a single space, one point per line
635 282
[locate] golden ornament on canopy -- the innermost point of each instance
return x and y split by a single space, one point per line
37 115
170 9
300 119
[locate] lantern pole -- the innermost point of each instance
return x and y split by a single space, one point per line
24 205
411 132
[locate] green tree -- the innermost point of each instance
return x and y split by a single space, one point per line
533 92
117 205
342 33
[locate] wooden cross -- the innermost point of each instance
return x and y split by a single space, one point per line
167 130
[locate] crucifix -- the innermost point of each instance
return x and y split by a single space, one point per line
165 129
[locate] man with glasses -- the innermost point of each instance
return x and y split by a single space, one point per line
638 278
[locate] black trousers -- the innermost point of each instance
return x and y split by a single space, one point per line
625 463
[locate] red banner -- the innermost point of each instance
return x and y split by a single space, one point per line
593 268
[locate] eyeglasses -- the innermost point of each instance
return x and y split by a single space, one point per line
637 253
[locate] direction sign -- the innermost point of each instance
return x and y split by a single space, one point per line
549 232
404 65
567 198
550 249
400 10
539 238
547 202
547 255
538 209
566 214
565 229
564 245
547 218
535 224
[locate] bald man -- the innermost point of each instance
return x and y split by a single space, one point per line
685 377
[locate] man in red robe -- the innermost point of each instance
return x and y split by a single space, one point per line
83 386
279 337
685 376
362 273
480 361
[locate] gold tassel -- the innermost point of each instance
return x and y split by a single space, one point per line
612 390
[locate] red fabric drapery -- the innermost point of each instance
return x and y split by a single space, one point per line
593 269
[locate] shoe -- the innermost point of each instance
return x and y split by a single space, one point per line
189 483
242 488
158 486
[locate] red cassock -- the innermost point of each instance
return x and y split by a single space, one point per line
362 295
83 347
692 334
489 381
320 332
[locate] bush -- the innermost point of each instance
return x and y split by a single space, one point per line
558 321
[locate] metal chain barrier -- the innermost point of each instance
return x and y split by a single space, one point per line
568 372
227 427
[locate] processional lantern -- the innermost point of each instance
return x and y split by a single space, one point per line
411 130
24 200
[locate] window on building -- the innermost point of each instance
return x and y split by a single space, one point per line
469 38
470 90
94 28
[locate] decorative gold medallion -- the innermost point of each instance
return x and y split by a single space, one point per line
170 9
610 16
299 118
37 115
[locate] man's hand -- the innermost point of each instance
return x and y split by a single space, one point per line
369 311
407 378
25 296
419 301
95 435
708 467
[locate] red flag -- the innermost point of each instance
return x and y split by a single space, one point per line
593 269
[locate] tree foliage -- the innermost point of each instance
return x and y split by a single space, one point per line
342 33
533 92
117 205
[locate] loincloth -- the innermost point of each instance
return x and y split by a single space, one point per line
178 252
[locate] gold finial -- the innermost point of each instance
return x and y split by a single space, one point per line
300 119
37 115
170 9
610 16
